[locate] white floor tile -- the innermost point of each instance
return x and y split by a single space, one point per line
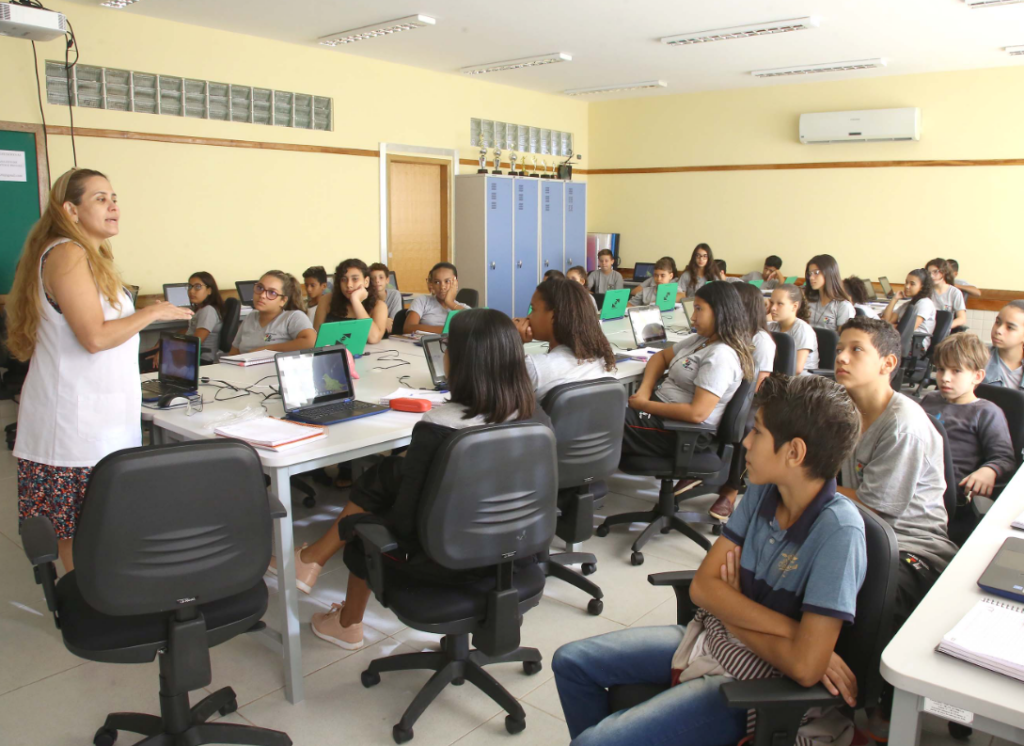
541 729
545 697
30 645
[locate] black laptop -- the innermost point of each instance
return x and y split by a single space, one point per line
1004 575
176 293
317 388
433 348
869 288
245 291
886 287
179 367
642 271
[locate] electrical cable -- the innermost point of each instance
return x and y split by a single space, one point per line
42 114
72 40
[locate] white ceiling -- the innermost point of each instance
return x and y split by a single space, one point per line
615 41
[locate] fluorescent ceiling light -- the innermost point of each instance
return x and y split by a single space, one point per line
118 4
1014 51
497 67
378 29
824 67
742 32
990 3
615 88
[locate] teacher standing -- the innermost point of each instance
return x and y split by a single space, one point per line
70 314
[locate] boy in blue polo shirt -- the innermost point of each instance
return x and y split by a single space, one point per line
774 590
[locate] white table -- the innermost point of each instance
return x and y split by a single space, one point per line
911 664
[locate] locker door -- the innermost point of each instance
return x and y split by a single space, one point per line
499 244
575 224
552 230
525 272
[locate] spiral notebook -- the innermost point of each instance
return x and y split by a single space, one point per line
991 635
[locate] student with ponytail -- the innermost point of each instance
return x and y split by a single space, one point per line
918 288
278 321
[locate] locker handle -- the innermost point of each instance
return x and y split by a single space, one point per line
547 263
494 265
520 265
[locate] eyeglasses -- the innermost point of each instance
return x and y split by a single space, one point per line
702 256
197 287
259 289
935 272
814 273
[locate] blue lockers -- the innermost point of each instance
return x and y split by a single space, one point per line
575 224
552 226
526 222
499 245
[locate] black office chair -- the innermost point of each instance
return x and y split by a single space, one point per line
170 552
587 419
1011 401
781 703
701 452
469 296
920 369
960 520
490 499
828 341
229 324
858 311
785 353
398 327
905 327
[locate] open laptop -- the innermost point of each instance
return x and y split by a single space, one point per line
176 293
1004 575
179 367
614 305
642 271
433 349
448 321
352 333
791 280
648 327
316 387
666 297
757 283
886 287
245 291
869 288
680 325
393 283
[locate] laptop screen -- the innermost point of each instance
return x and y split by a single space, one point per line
179 360
647 325
642 271
177 295
886 287
435 358
316 377
869 288
245 291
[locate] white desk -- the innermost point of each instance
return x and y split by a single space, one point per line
911 664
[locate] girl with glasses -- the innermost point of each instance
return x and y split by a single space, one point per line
204 295
947 297
828 304
278 320
701 269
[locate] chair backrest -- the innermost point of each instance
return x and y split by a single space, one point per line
490 496
858 311
861 644
906 329
399 323
943 323
229 324
587 417
785 353
828 341
1011 401
164 527
733 426
949 471
469 296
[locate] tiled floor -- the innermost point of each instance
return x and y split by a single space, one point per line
48 697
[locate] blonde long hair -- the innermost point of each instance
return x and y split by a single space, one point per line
24 306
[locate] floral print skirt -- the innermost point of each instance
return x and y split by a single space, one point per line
55 492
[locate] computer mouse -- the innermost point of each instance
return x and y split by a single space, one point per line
171 400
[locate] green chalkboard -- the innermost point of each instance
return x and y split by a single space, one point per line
19 205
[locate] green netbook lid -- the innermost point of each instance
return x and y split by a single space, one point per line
448 320
615 302
352 333
667 295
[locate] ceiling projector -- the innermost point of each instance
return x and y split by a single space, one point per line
23 22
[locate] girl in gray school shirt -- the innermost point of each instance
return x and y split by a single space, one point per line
283 328
207 318
804 338
696 364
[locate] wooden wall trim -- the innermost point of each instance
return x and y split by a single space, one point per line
808 166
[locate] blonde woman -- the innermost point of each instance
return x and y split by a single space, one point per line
70 313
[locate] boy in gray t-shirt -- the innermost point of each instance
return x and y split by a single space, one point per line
605 278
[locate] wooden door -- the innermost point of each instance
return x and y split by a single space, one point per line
417 219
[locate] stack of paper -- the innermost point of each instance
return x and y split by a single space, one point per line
990 636
1018 522
436 398
257 357
272 433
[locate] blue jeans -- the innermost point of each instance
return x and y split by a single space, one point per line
692 713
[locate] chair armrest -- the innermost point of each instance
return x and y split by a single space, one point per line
981 505
277 509
377 541
681 577
824 373
680 582
776 693
689 438
40 543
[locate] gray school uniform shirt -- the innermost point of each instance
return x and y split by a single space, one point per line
764 352
647 296
207 318
897 470
766 285
713 367
924 308
600 283
284 328
952 300
804 338
831 315
432 312
978 435
393 300
998 373
691 285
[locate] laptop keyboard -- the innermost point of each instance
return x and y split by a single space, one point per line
336 410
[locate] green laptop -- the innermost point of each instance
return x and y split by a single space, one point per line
448 321
614 306
353 334
757 283
791 280
667 296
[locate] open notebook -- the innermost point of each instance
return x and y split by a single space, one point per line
991 635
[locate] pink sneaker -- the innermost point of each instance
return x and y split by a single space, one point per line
327 626
306 573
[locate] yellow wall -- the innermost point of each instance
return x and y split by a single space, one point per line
874 221
237 212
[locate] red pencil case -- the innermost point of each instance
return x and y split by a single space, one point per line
410 405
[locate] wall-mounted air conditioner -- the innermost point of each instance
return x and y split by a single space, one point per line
875 125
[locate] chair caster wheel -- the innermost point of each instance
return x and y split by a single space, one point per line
309 502
369 678
602 530
513 726
636 559
595 607
588 568
104 737
666 530
716 530
228 707
401 735
458 682
532 667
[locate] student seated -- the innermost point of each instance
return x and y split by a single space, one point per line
604 278
351 299
775 589
770 274
701 269
918 289
427 313
554 274
577 348
979 436
789 314
828 305
315 281
695 379
278 321
488 383
723 268
946 295
647 293
1006 362
764 363
579 274
965 286
380 275
204 295
854 287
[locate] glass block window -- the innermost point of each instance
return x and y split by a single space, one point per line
506 136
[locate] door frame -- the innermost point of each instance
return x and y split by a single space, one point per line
444 157
42 168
